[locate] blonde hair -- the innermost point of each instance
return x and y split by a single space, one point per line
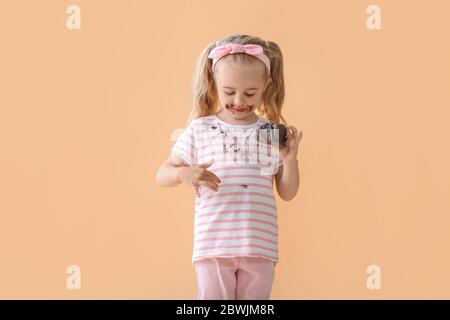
204 88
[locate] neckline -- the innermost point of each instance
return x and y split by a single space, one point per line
238 125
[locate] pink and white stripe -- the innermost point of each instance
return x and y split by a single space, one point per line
241 218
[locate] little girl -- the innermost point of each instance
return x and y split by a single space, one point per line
238 87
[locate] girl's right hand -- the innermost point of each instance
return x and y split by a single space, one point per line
197 176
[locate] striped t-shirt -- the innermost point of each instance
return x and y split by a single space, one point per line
241 218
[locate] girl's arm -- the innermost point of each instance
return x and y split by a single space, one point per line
174 171
168 174
288 179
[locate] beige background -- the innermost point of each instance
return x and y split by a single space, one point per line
87 115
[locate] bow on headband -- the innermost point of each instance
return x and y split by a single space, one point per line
251 49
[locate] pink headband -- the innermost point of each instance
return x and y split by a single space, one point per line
252 49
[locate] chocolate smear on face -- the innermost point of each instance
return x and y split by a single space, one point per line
229 107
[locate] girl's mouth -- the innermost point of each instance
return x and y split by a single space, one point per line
239 109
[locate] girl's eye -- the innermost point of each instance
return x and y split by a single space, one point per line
248 95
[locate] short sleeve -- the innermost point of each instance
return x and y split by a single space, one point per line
185 145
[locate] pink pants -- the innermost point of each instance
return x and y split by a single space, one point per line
236 278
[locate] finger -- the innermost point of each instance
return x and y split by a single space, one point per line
211 180
294 131
208 178
294 135
289 138
206 164
196 187
209 185
216 178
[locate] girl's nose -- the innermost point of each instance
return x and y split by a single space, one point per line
239 102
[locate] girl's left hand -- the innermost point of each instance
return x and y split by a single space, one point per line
291 149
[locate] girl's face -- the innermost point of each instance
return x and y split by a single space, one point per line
240 87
